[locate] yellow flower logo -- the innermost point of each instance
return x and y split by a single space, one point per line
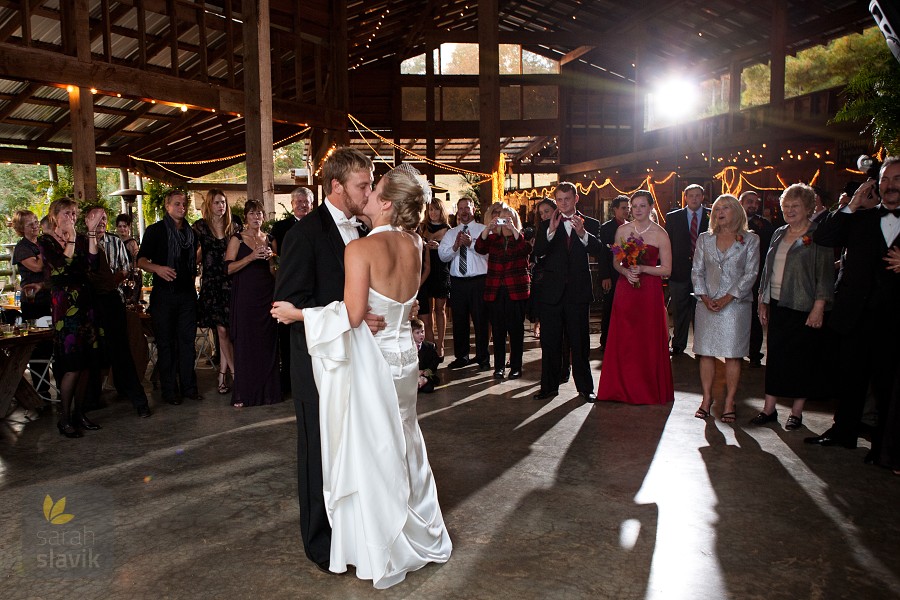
54 512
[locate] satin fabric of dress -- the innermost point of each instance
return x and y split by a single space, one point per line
636 367
379 490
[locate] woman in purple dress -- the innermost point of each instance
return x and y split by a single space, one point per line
253 332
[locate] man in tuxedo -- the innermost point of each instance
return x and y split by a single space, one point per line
683 226
752 205
608 274
565 292
301 203
311 273
866 301
467 274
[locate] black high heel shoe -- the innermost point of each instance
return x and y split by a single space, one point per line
88 424
67 430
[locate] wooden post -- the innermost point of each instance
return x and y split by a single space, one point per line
489 90
734 96
778 39
84 161
258 103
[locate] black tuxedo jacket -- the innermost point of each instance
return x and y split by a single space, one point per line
280 229
865 288
310 273
608 238
564 268
679 230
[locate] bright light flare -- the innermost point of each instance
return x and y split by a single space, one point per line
675 98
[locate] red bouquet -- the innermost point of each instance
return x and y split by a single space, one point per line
630 252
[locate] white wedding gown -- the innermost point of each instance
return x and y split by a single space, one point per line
380 493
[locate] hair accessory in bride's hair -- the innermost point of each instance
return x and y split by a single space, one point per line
416 176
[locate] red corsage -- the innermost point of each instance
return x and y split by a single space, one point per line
806 239
740 239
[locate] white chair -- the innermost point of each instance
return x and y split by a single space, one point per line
204 345
41 374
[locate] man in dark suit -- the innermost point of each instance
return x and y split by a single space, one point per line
608 274
565 292
683 226
752 205
866 301
301 203
311 273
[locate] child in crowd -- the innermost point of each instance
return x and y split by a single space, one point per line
428 357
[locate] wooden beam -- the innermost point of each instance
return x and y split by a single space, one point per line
777 53
84 161
576 54
28 7
258 102
489 88
31 64
121 125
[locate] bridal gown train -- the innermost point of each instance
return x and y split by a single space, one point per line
380 493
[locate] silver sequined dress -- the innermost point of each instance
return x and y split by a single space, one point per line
726 333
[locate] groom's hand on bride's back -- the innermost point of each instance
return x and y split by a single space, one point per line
375 322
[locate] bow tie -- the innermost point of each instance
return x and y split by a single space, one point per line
352 223
565 218
888 211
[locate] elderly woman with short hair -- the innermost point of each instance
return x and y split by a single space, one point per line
726 261
795 290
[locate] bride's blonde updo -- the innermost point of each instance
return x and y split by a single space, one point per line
408 195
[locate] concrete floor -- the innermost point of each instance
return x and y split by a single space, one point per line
558 500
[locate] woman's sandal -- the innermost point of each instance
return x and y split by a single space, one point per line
223 383
701 413
729 417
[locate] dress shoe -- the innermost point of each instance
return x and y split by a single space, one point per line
515 374
829 439
174 401
589 397
194 396
546 395
564 378
144 411
485 366
67 430
762 418
86 423
498 374
458 363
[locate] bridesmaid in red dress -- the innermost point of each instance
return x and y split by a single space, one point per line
636 367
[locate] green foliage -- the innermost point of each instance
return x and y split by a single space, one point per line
873 99
817 68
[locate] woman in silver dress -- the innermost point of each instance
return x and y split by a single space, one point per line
726 261
795 290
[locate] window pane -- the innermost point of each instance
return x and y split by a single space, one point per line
460 104
541 102
413 108
535 63
510 59
510 102
459 59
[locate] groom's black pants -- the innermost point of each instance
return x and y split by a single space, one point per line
314 527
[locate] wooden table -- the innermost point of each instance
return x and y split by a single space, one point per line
14 354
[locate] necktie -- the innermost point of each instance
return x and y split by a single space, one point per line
695 228
882 211
463 255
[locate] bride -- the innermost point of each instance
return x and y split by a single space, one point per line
380 493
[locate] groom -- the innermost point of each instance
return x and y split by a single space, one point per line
311 273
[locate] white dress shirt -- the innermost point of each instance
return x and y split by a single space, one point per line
476 263
348 232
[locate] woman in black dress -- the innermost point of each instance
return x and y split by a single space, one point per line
35 287
68 257
253 331
436 288
214 230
